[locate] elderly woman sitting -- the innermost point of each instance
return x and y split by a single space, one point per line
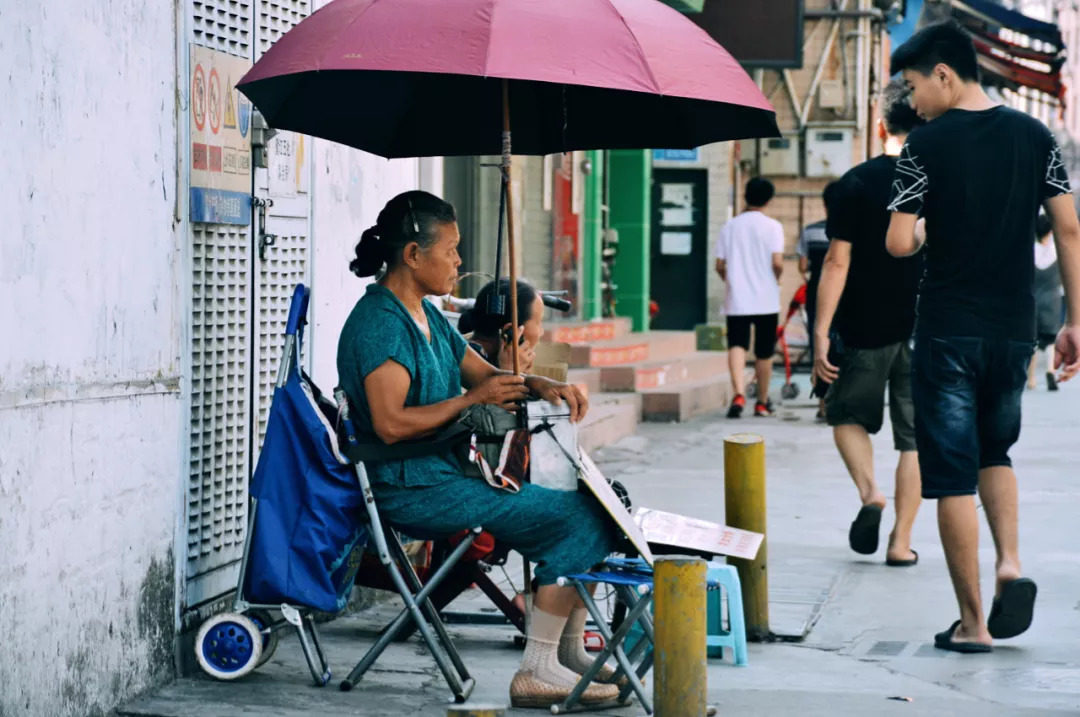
403 368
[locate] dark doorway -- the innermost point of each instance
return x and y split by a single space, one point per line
680 215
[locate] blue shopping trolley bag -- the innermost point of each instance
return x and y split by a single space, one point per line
309 530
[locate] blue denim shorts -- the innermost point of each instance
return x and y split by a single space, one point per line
967 394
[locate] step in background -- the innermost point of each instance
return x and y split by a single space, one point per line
633 348
587 379
581 332
611 417
695 366
682 401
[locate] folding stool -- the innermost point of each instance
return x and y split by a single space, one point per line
632 580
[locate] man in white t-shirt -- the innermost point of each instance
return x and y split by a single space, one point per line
750 259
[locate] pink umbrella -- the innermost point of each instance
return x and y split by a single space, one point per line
407 78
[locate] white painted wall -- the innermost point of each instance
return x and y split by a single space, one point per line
90 407
350 189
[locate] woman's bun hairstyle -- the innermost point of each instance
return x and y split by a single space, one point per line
370 255
408 217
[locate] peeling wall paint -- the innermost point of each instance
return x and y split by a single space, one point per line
90 416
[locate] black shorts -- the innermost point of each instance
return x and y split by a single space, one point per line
857 397
1045 340
765 325
967 395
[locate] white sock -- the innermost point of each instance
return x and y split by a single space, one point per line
542 650
572 654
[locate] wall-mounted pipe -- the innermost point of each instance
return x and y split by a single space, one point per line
804 113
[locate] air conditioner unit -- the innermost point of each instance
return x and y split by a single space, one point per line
828 151
780 156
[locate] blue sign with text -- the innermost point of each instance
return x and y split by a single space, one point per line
219 206
675 155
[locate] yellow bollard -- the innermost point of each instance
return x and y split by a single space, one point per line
475 711
744 501
679 686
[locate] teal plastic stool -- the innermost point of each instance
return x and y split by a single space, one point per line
734 637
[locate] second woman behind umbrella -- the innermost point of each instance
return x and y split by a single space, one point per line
491 333
403 368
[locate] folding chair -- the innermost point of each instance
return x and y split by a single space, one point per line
462 577
417 597
469 571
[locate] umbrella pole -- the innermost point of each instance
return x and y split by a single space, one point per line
510 243
512 255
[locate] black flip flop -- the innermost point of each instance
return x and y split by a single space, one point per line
1013 609
944 641
903 563
863 536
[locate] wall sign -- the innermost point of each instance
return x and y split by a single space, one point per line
675 155
219 118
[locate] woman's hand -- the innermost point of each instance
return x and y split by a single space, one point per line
526 355
502 390
555 393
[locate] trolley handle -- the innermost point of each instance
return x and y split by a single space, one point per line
297 309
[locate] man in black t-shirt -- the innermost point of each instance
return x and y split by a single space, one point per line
977 174
872 296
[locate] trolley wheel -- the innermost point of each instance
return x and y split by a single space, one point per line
263 621
790 391
228 646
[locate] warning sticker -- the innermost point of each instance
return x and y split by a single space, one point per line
198 97
213 101
230 106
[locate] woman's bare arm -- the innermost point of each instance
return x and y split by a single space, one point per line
387 387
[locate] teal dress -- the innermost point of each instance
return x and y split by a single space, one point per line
562 532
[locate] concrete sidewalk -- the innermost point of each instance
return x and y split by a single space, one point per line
872 626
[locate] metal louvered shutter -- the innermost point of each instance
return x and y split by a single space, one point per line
286 262
276 17
286 265
220 404
221 365
223 25
239 306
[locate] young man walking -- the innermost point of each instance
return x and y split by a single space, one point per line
750 259
872 296
976 174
